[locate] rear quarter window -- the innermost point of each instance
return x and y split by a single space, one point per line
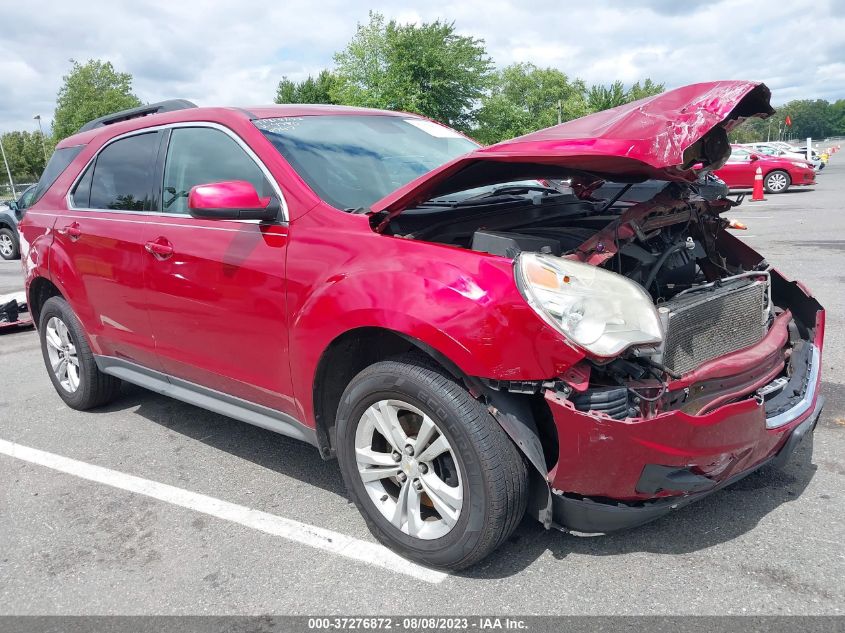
58 162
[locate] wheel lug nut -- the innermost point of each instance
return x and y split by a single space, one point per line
402 477
396 457
418 485
423 469
409 450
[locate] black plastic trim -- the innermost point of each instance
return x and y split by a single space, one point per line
655 478
514 415
171 105
216 401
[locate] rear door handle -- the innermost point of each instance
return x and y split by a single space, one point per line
161 248
72 230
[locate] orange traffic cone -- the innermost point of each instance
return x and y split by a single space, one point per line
758 186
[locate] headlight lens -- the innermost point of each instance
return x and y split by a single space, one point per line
804 164
601 311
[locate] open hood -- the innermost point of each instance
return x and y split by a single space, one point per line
658 137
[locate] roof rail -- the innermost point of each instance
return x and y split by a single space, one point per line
170 105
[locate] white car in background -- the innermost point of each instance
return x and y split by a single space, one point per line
777 149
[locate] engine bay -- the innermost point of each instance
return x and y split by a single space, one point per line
714 295
665 256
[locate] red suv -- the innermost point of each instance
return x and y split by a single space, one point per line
468 340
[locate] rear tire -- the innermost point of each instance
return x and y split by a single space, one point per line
479 464
777 181
9 246
69 360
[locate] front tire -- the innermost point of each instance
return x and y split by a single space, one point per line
9 247
69 360
777 181
433 474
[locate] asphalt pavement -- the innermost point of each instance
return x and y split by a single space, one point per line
151 506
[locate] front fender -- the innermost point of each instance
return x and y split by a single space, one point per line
463 304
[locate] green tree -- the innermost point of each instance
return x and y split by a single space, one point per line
755 130
605 97
427 69
25 154
815 118
525 98
837 111
362 66
647 89
90 90
312 90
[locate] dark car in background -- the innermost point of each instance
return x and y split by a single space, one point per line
10 215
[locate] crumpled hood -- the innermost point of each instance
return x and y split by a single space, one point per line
658 137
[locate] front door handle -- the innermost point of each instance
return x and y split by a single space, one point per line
161 248
72 230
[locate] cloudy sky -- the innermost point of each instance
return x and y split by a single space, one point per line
234 53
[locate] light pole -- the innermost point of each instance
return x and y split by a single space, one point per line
37 117
8 171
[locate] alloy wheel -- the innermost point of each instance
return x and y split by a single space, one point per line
7 247
409 469
777 182
61 351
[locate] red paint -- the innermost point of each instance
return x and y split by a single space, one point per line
740 173
639 140
604 457
249 309
235 194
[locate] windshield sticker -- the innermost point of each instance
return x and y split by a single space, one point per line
434 129
282 124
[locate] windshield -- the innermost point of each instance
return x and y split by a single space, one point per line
353 161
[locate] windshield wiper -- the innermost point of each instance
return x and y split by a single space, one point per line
514 190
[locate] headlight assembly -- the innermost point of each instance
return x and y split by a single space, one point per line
598 310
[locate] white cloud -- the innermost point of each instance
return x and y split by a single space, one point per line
234 53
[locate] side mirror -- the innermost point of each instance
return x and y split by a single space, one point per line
232 200
753 157
13 205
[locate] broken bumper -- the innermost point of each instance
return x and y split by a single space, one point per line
585 514
617 474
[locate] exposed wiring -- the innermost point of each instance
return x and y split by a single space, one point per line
663 389
652 275
660 367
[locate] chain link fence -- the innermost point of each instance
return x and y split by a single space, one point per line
6 190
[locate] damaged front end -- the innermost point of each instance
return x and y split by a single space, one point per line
700 367
732 386
700 361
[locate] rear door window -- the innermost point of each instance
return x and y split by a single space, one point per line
123 175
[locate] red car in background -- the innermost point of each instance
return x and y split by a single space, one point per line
779 174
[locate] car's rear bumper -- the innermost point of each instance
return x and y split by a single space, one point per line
585 514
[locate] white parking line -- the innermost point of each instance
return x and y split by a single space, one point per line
309 535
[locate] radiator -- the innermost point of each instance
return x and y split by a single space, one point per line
707 323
